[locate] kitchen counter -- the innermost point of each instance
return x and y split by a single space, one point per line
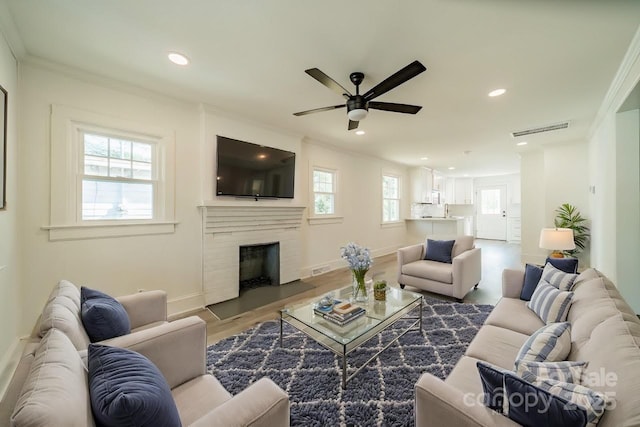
435 227
435 219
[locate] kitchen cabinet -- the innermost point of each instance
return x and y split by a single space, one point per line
463 191
421 185
514 229
448 196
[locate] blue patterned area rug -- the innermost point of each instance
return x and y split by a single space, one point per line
382 394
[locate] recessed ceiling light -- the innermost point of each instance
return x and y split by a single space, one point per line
178 58
262 156
424 158
466 175
360 132
522 143
497 92
451 168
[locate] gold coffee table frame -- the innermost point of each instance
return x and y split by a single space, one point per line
342 340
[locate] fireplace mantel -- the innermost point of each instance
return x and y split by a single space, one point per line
227 227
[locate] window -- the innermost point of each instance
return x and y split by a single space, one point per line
324 192
490 202
117 178
109 176
390 198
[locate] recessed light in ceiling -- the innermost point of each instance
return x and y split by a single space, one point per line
451 168
424 158
178 58
497 92
360 132
522 143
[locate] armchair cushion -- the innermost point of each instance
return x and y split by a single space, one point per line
127 389
439 250
102 316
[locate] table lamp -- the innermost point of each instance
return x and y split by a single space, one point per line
557 240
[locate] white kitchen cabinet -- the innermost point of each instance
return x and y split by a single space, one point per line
448 196
421 185
438 182
514 229
463 191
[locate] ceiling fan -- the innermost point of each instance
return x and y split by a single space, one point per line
358 105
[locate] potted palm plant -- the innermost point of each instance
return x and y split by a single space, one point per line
567 216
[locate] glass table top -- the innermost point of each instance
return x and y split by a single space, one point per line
398 302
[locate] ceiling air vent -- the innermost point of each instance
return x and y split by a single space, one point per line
540 129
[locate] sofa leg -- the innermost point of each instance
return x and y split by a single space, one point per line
459 300
401 286
476 286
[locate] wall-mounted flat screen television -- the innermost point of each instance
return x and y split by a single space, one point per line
251 170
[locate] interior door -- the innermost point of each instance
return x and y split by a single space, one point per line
491 214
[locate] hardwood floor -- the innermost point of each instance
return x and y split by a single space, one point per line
496 256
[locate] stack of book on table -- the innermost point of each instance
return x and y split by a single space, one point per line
341 313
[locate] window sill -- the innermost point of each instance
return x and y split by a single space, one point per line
319 220
392 224
102 230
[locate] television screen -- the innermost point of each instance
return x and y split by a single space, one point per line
246 169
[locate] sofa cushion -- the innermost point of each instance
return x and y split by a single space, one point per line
532 275
590 306
62 311
566 371
497 346
614 373
549 303
431 270
508 309
568 265
462 244
439 250
102 316
55 390
126 388
558 278
196 398
551 343
539 407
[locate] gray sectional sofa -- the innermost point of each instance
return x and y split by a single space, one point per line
605 332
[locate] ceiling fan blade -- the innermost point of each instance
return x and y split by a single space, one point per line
353 125
396 108
408 72
328 82
317 110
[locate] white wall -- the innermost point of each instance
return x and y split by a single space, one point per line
554 175
9 243
118 265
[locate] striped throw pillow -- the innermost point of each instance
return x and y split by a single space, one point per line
591 401
565 371
558 278
550 304
551 343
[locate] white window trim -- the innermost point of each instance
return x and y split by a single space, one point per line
335 217
395 222
65 217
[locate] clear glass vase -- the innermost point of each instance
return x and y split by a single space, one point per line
359 287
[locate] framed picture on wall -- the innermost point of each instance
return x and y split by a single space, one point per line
3 147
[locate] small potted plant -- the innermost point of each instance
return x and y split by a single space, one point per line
380 290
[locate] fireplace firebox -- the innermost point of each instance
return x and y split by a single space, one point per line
259 265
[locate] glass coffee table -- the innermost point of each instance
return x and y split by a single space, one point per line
342 340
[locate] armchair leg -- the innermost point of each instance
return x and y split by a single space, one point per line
476 286
459 300
401 286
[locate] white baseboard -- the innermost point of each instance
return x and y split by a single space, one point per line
185 304
305 272
9 362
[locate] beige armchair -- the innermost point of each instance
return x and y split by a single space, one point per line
455 279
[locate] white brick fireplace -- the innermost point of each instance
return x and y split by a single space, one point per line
227 227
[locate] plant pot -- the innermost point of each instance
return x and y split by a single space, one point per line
380 294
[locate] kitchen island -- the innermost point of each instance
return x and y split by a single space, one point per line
420 229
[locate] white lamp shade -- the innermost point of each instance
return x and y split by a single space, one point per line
557 239
357 114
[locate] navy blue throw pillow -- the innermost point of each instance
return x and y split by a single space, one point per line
492 384
102 316
439 250
532 275
568 265
531 406
127 389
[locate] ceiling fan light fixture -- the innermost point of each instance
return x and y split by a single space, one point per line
357 114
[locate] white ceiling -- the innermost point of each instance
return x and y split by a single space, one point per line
555 58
